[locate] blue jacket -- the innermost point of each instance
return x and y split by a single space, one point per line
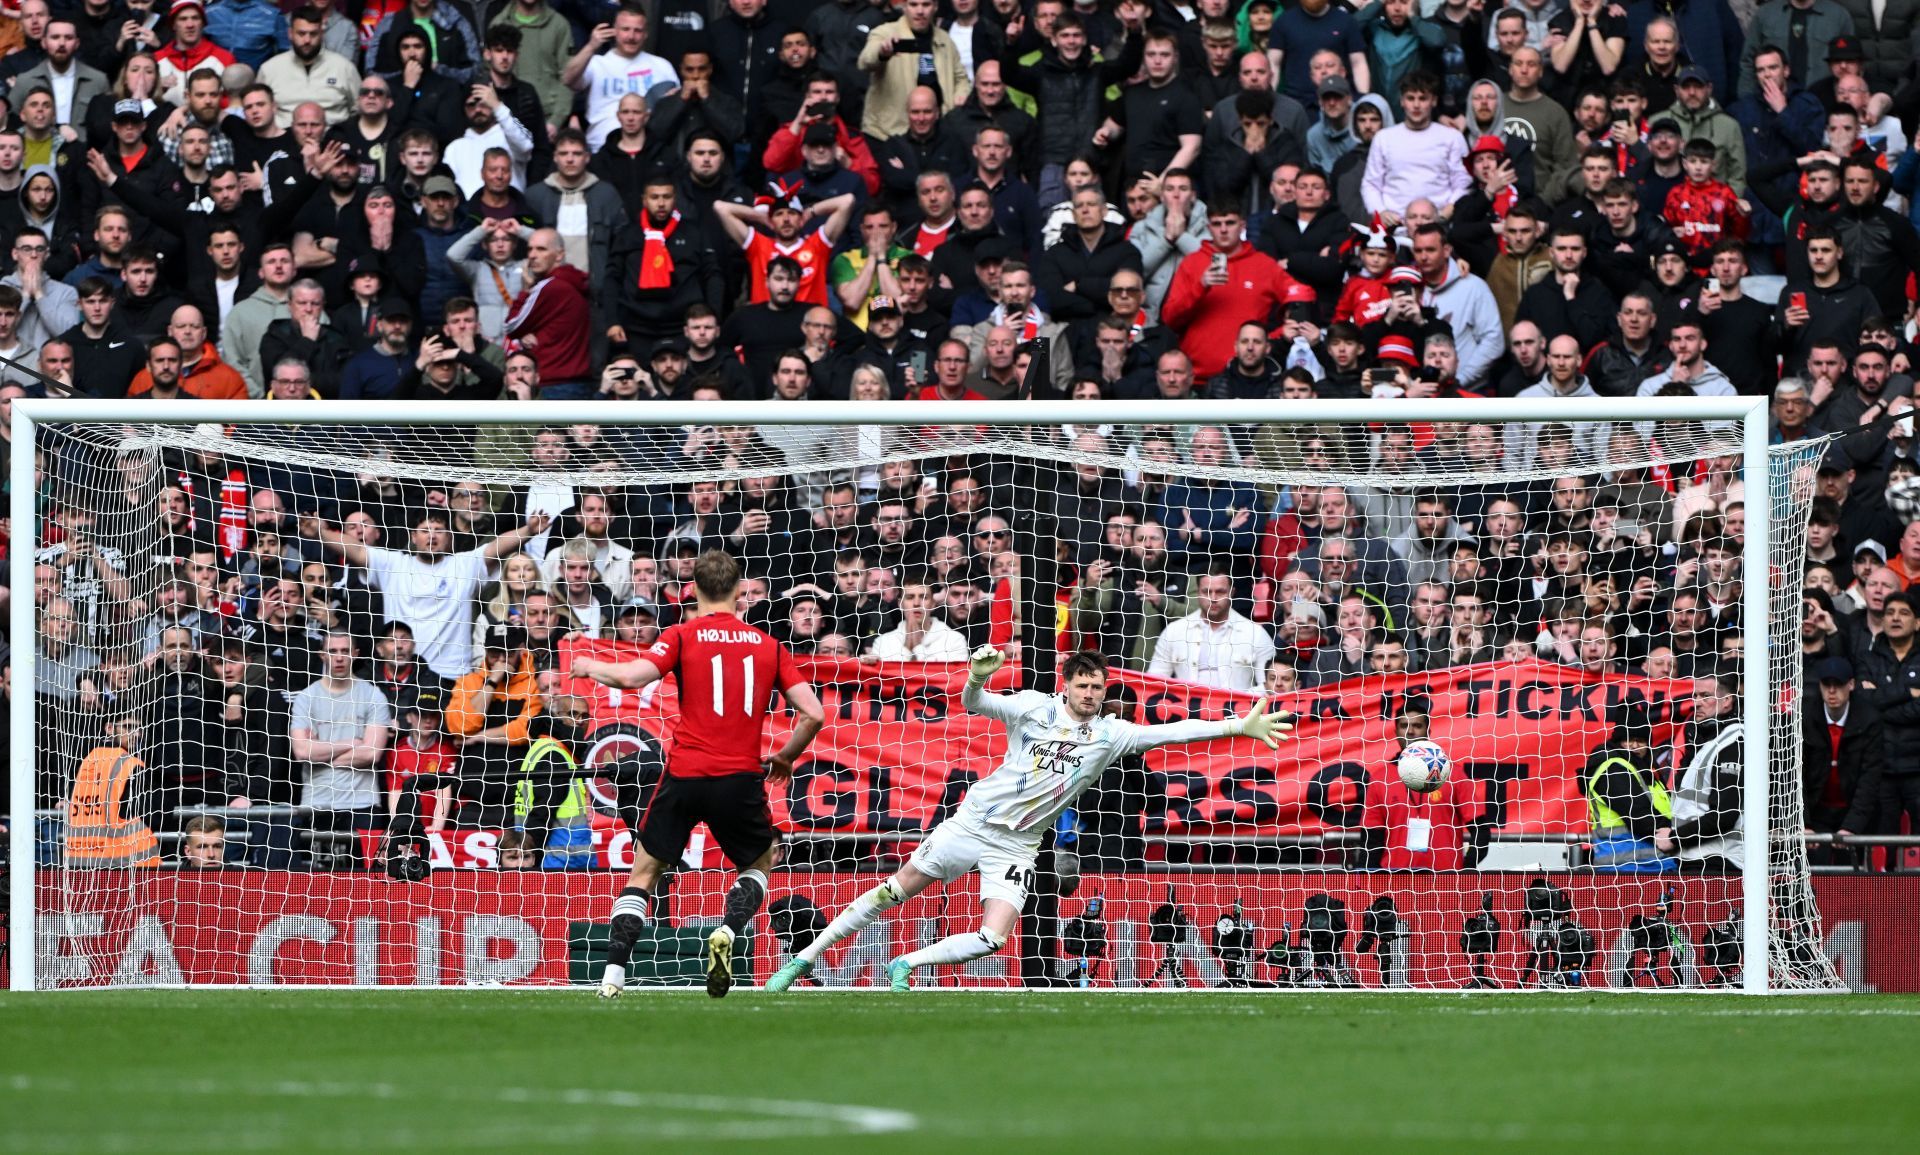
1775 142
252 30
1906 182
1212 508
373 375
443 281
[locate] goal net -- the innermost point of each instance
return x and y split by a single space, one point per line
250 633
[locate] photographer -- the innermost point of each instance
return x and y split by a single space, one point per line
1424 832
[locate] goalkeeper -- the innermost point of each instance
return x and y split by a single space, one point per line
1057 746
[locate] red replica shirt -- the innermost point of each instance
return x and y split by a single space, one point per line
403 762
810 251
1424 831
1363 301
727 673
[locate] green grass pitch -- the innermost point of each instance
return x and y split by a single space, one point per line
345 1071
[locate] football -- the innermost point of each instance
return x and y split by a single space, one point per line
1424 766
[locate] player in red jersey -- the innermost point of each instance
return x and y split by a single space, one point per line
772 228
727 672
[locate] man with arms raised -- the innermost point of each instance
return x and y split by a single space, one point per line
1057 746
727 672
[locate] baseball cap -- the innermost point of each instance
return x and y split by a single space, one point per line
883 304
994 249
1871 546
129 110
1394 347
1335 86
503 636
820 133
669 345
1835 460
1666 126
1299 294
422 700
1833 670
1694 74
396 307
439 185
1488 143
1845 48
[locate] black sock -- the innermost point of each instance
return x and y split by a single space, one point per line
743 901
629 921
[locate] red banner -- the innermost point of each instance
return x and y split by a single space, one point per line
477 927
898 750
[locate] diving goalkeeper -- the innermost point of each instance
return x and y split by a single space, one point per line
1057 746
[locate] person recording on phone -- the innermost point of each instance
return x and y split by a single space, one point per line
1825 307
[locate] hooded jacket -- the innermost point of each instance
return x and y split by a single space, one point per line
1351 168
1464 301
1729 140
546 43
556 311
1543 121
1209 317
1159 256
1519 148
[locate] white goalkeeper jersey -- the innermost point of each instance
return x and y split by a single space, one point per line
1051 759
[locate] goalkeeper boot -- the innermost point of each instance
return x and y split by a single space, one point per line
795 969
613 981
900 976
719 962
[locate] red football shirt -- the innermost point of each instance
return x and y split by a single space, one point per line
1424 831
811 251
404 761
727 672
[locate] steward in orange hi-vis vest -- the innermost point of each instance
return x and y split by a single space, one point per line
100 831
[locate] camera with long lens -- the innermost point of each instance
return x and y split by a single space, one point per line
796 922
1653 936
1480 941
1323 932
1722 949
1085 940
1380 927
1285 960
1167 926
1233 946
1559 948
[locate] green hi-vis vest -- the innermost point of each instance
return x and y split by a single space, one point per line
1602 818
575 806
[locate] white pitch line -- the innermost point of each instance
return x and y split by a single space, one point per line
776 1118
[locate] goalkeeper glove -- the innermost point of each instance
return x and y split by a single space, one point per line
1268 728
983 664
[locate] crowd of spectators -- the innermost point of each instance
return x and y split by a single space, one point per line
766 203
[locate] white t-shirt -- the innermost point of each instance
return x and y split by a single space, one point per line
611 76
436 600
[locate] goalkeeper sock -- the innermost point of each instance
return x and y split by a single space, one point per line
743 901
629 922
851 921
956 948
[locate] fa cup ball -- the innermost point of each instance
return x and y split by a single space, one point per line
1424 767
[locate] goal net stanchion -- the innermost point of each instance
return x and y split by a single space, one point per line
1531 584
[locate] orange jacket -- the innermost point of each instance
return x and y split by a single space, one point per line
100 832
210 379
523 688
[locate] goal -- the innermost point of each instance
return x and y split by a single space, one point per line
240 629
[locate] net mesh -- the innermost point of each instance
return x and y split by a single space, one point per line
257 658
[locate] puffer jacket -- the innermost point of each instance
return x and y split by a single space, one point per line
1070 99
1888 45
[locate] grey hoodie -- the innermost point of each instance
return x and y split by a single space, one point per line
1159 256
1353 165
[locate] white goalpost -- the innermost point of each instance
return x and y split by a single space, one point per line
1626 580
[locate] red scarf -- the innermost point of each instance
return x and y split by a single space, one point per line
656 262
